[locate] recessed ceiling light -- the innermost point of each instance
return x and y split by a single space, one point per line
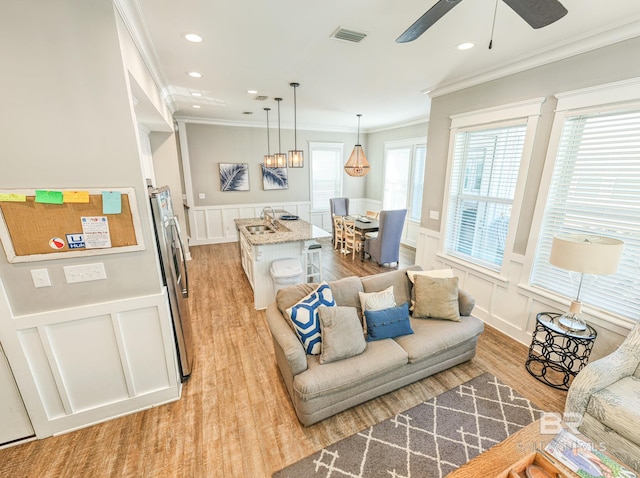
195 93
252 92
465 46
192 37
194 74
196 106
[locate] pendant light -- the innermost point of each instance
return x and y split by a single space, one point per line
357 165
269 160
280 157
296 156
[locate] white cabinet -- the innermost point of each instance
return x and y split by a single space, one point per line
246 255
13 415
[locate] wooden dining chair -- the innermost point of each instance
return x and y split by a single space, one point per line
353 240
338 232
372 215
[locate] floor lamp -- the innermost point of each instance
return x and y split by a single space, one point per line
586 254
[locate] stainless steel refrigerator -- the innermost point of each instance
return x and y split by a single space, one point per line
174 272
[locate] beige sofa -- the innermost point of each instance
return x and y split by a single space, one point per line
318 390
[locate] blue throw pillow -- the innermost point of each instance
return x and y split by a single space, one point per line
304 316
388 323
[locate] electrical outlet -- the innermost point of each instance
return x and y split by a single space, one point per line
40 278
84 273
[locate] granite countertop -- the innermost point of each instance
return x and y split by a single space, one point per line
287 231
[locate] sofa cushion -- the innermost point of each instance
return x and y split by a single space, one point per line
304 316
345 292
433 336
341 333
617 405
379 358
436 298
388 323
398 279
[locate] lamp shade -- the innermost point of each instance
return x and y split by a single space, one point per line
586 253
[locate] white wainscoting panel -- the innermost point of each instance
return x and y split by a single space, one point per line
215 224
96 362
504 302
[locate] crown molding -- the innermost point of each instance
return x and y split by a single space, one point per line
575 47
131 15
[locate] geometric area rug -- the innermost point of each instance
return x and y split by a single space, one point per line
429 440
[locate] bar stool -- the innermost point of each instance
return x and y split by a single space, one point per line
312 262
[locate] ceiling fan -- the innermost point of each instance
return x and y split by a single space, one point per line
537 13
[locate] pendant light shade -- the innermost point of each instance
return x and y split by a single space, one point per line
357 165
296 156
269 160
280 158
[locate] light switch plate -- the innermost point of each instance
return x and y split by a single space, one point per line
40 278
434 215
84 272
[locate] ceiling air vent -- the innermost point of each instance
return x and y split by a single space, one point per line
345 34
261 98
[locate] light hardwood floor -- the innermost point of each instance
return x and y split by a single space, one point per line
234 418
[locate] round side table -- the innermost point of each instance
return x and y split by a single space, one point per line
563 353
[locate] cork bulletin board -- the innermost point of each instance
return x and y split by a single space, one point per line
34 231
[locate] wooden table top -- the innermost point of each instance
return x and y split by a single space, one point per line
499 457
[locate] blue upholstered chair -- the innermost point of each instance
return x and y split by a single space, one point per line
339 207
385 248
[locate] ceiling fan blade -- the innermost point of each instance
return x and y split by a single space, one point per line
421 25
538 13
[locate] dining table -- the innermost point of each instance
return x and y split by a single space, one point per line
364 225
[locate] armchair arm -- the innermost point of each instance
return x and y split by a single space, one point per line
603 372
285 339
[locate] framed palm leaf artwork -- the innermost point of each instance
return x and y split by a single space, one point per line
274 178
234 176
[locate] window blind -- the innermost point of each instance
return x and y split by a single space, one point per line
326 174
415 207
484 175
396 178
595 189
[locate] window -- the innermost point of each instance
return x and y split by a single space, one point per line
488 162
595 189
404 177
326 174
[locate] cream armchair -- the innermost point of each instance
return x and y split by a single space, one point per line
606 394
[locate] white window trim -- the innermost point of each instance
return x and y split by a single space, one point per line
598 98
528 111
323 144
403 143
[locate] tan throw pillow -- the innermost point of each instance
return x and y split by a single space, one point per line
446 273
436 298
341 333
376 301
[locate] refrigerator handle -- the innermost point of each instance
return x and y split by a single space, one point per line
185 284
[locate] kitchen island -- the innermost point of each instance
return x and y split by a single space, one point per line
262 242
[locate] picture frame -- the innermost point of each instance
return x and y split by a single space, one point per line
234 176
274 178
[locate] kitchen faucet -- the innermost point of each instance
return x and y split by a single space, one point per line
273 216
